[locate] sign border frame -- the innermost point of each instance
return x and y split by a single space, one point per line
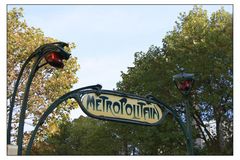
126 95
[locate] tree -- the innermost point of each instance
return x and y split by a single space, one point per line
48 84
202 46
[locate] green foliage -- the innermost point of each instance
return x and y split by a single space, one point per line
48 84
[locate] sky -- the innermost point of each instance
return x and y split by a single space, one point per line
106 36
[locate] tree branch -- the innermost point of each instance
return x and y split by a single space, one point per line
204 126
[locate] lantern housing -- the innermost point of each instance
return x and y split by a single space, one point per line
184 82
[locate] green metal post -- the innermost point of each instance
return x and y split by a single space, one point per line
184 83
189 123
24 105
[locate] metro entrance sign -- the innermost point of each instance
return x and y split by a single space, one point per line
115 106
109 105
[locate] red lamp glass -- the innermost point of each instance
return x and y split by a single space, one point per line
54 60
184 82
184 85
